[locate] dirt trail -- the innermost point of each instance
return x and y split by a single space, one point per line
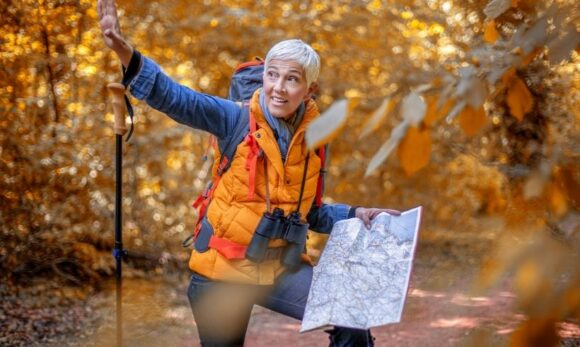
440 311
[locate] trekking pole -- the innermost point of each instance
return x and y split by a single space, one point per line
117 91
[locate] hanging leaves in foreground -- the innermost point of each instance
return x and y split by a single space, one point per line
414 152
455 110
383 153
561 49
377 118
490 34
519 99
471 120
435 113
413 109
496 7
325 127
534 185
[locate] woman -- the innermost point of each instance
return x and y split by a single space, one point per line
283 178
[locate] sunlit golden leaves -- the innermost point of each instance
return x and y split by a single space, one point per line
567 180
365 52
557 200
519 98
414 152
490 34
472 120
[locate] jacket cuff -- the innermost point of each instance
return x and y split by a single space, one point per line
133 69
142 84
352 212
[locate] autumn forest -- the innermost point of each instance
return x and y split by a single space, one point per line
468 108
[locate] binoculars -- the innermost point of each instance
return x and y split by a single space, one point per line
276 226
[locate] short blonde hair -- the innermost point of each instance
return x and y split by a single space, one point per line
299 51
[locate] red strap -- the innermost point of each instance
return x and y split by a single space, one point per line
227 248
199 199
249 63
203 200
319 185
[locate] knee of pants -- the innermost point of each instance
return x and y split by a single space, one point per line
343 337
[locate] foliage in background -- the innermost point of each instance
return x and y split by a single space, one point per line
472 97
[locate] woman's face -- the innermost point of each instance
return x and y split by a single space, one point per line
285 87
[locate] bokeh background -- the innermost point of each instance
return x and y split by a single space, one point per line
469 108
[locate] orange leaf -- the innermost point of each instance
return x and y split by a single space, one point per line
433 113
508 76
519 99
471 120
530 57
490 34
414 152
353 102
557 201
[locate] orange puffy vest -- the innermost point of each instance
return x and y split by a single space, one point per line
234 214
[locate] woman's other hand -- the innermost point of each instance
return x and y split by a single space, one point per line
368 214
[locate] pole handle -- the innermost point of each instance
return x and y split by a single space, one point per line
117 91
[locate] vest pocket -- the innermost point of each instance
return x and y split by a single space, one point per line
202 239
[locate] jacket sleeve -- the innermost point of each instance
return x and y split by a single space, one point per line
184 105
322 219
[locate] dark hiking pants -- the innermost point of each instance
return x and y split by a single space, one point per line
222 310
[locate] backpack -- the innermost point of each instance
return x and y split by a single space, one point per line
247 78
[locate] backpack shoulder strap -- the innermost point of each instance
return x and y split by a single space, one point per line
228 148
322 152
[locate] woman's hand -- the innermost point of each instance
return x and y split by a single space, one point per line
368 214
111 31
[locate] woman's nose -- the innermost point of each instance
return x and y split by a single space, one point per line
279 86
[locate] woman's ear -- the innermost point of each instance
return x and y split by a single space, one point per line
313 88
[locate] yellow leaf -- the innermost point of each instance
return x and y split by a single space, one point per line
353 102
92 12
354 98
558 202
519 99
471 120
508 76
414 152
434 113
490 34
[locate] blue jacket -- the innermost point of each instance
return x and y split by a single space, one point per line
146 81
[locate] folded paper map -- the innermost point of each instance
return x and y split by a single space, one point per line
362 278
